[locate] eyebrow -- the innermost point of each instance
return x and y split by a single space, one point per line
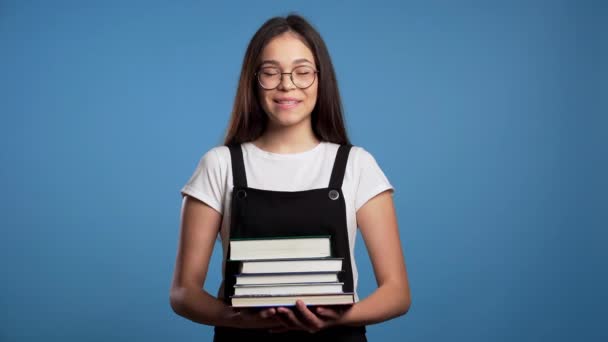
297 61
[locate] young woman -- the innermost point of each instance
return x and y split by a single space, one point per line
288 168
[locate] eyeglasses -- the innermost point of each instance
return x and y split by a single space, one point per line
302 77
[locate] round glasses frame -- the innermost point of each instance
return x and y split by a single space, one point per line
315 72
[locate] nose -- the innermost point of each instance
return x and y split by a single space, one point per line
286 82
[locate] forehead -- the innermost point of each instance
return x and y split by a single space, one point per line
286 49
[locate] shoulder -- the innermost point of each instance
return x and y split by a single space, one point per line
216 157
222 153
208 182
214 163
360 157
368 176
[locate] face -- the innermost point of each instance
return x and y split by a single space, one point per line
287 105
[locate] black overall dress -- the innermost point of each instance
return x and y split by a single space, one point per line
266 213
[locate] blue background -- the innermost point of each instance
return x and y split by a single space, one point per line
489 118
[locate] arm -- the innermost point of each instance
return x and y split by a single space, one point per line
378 224
198 230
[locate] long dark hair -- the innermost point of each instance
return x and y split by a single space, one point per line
248 119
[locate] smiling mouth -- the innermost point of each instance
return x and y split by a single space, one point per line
287 102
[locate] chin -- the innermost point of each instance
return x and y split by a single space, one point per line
287 119
286 123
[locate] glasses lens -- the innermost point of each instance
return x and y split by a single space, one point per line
303 76
269 77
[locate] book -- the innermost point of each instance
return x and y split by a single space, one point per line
272 278
291 247
277 271
288 289
290 300
327 264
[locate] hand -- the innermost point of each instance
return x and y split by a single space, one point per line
254 318
305 319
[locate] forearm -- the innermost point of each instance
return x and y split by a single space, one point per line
388 301
199 306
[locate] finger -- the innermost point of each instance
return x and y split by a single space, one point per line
310 319
291 317
266 313
327 313
284 321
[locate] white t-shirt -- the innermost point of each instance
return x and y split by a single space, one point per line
212 182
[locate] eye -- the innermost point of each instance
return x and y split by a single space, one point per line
303 70
270 71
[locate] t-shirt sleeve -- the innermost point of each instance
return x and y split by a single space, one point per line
372 179
207 183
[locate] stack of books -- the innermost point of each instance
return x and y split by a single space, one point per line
278 271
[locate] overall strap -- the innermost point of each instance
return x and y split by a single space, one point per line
238 166
337 173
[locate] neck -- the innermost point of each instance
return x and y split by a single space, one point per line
292 139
